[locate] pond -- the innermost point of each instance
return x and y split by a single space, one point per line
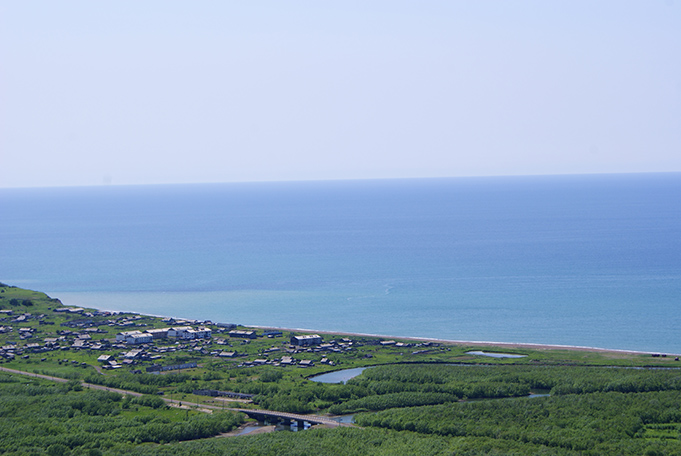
340 376
495 355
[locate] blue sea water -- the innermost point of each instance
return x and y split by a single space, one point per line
591 260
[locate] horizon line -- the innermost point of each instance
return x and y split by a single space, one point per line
349 179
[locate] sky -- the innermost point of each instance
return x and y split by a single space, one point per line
155 92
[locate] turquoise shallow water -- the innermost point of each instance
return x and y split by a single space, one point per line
571 260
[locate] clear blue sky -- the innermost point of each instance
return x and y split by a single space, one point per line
131 92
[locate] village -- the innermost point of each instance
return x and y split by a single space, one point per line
144 343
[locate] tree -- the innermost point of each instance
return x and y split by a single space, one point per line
57 450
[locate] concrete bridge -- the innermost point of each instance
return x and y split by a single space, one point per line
287 418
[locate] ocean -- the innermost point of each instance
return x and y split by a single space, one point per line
582 260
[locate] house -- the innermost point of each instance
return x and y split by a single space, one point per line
133 354
33 347
51 341
69 309
79 343
287 360
307 340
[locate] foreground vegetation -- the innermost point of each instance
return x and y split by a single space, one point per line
41 416
426 399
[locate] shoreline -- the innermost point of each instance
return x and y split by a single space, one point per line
533 346
521 345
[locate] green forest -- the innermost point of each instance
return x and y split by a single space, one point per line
42 417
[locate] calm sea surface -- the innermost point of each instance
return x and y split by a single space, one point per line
573 260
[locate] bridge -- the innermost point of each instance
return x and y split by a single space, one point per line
287 418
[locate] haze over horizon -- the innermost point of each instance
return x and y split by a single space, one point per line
350 179
175 92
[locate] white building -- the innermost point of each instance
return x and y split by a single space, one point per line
189 333
201 333
180 332
307 340
133 337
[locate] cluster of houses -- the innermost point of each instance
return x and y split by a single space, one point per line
299 348
155 354
9 352
136 343
77 333
284 361
23 332
83 312
127 358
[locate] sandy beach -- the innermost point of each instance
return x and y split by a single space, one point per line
472 343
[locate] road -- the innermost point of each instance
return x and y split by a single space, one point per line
175 403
